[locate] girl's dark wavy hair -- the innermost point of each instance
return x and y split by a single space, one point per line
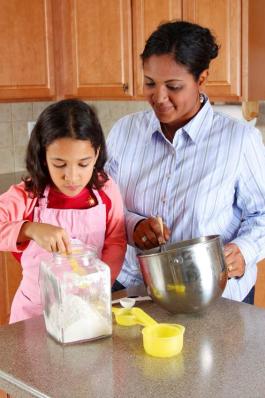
191 45
67 118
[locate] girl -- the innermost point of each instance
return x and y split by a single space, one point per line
65 195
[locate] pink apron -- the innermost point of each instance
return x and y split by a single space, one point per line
87 225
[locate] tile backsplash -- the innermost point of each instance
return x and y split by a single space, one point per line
14 118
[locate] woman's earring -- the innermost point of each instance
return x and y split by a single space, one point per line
201 96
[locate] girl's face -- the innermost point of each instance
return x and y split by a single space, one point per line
171 90
70 163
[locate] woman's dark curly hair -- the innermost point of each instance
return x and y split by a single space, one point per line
67 118
190 45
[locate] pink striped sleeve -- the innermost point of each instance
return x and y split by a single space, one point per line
114 248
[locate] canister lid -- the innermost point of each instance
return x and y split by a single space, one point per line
79 251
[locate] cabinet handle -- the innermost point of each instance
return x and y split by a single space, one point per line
125 87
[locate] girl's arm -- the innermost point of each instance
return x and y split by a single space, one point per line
15 207
16 230
114 248
50 237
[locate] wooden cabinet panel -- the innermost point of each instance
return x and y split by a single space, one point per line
98 45
10 277
3 394
260 285
53 49
26 48
147 15
224 19
253 49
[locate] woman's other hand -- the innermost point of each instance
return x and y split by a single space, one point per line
148 234
234 260
47 236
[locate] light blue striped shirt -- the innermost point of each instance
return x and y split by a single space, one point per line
210 180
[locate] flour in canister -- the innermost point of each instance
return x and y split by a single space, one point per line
76 320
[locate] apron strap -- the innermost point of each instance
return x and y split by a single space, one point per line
96 193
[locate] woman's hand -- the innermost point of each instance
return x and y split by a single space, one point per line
148 234
47 236
234 260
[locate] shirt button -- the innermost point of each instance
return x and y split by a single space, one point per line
168 175
164 200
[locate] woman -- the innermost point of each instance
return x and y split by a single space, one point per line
201 171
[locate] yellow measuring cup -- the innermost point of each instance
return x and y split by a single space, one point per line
159 339
132 316
124 316
163 340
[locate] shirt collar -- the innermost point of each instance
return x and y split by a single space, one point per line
197 127
200 124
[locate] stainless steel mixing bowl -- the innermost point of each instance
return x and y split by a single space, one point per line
187 276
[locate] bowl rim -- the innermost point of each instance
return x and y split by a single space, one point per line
202 240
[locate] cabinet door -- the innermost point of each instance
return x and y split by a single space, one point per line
10 277
259 288
253 50
97 48
4 394
224 19
26 48
147 15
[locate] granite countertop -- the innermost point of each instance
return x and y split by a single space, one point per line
10 178
223 356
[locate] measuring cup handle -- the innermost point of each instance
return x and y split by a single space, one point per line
142 317
116 310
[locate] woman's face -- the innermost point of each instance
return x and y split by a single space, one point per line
171 90
70 163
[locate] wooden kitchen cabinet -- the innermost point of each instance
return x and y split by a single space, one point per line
237 73
52 49
97 48
260 285
10 277
90 49
147 15
224 20
27 50
101 45
3 394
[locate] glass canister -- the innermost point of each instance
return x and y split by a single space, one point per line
76 295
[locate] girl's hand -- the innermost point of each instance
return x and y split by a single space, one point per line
234 260
148 234
49 237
